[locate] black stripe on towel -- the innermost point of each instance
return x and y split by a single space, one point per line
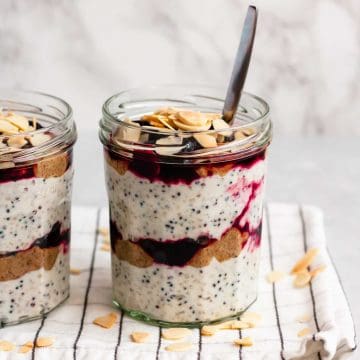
267 212
240 347
36 337
119 336
200 345
88 285
304 235
159 345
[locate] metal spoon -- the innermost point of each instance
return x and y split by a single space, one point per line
241 66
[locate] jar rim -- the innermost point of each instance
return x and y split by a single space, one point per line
57 112
108 115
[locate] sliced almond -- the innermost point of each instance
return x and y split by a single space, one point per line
318 270
248 131
187 127
44 341
304 332
305 261
7 128
39 139
239 135
302 279
74 271
275 276
105 247
103 231
182 346
220 124
128 133
175 333
21 122
209 330
106 240
205 140
167 151
17 141
6 165
140 337
26 347
239 325
170 140
192 118
252 318
303 318
246 341
166 123
106 321
6 345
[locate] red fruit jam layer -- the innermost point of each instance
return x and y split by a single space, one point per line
22 172
54 238
149 168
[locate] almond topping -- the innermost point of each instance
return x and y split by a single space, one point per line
275 276
318 270
140 337
302 279
252 318
239 325
127 133
105 247
6 165
205 140
187 127
17 141
26 347
191 118
305 261
106 321
6 345
21 122
304 332
182 346
239 135
246 341
44 341
303 318
209 330
103 231
7 128
175 333
219 124
74 271
38 139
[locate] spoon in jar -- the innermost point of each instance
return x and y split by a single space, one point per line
241 66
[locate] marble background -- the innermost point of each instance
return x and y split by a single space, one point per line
306 61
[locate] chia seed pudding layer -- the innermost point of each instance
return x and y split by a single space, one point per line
35 293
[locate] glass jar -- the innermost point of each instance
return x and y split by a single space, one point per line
35 190
185 226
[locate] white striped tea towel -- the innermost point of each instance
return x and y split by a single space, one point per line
288 231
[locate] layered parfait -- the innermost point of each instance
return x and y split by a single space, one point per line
185 194
35 189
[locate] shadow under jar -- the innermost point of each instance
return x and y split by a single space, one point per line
37 134
185 220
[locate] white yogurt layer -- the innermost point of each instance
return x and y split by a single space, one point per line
30 207
35 293
208 206
188 294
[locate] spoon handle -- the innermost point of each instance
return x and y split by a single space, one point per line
241 65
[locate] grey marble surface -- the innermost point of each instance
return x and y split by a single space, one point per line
324 171
305 62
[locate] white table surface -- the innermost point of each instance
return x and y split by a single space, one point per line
314 170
